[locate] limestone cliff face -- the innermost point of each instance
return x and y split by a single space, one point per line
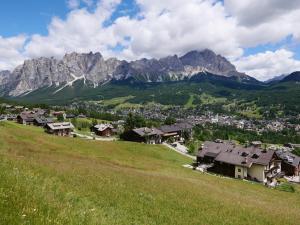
92 67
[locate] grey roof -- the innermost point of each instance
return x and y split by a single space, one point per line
175 127
231 153
289 158
102 127
27 116
43 120
145 131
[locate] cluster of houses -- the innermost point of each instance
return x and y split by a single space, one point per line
195 117
247 162
258 126
39 117
252 162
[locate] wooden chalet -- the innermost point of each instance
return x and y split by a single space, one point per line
290 163
233 160
176 130
146 135
59 129
104 130
26 118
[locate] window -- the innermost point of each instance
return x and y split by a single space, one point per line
244 154
239 170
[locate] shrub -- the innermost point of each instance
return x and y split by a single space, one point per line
286 187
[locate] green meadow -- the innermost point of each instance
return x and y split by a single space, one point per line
57 180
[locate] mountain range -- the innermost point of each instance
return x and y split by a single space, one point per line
94 71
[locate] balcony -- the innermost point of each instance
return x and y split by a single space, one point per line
273 168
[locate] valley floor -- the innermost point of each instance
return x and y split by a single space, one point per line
54 180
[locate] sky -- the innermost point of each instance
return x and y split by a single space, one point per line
260 37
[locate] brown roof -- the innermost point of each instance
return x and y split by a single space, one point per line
231 153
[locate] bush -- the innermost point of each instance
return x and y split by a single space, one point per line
286 187
296 151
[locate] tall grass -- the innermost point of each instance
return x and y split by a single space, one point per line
53 180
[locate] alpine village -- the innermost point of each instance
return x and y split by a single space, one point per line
119 126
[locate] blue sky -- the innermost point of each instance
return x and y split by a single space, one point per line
260 38
29 16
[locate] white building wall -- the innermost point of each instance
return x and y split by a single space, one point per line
257 172
240 172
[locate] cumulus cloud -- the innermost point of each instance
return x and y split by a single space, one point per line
264 21
82 31
167 27
11 51
73 4
264 66
256 12
175 27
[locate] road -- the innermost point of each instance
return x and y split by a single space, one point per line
179 151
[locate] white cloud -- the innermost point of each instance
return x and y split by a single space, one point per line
256 12
165 27
73 4
175 27
82 31
264 21
264 66
11 51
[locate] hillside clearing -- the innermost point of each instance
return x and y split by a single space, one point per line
52 180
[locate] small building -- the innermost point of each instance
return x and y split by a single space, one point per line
26 118
104 130
290 163
81 116
177 130
59 129
70 116
147 135
11 117
59 113
3 117
233 160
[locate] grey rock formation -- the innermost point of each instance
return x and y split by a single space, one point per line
92 67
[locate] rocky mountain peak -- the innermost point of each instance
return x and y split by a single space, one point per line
208 59
92 67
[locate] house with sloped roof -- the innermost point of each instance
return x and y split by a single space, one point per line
104 130
146 135
230 159
59 129
290 163
26 118
177 130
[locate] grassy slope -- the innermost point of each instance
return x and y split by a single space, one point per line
52 180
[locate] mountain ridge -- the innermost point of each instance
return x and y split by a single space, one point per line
94 69
293 77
